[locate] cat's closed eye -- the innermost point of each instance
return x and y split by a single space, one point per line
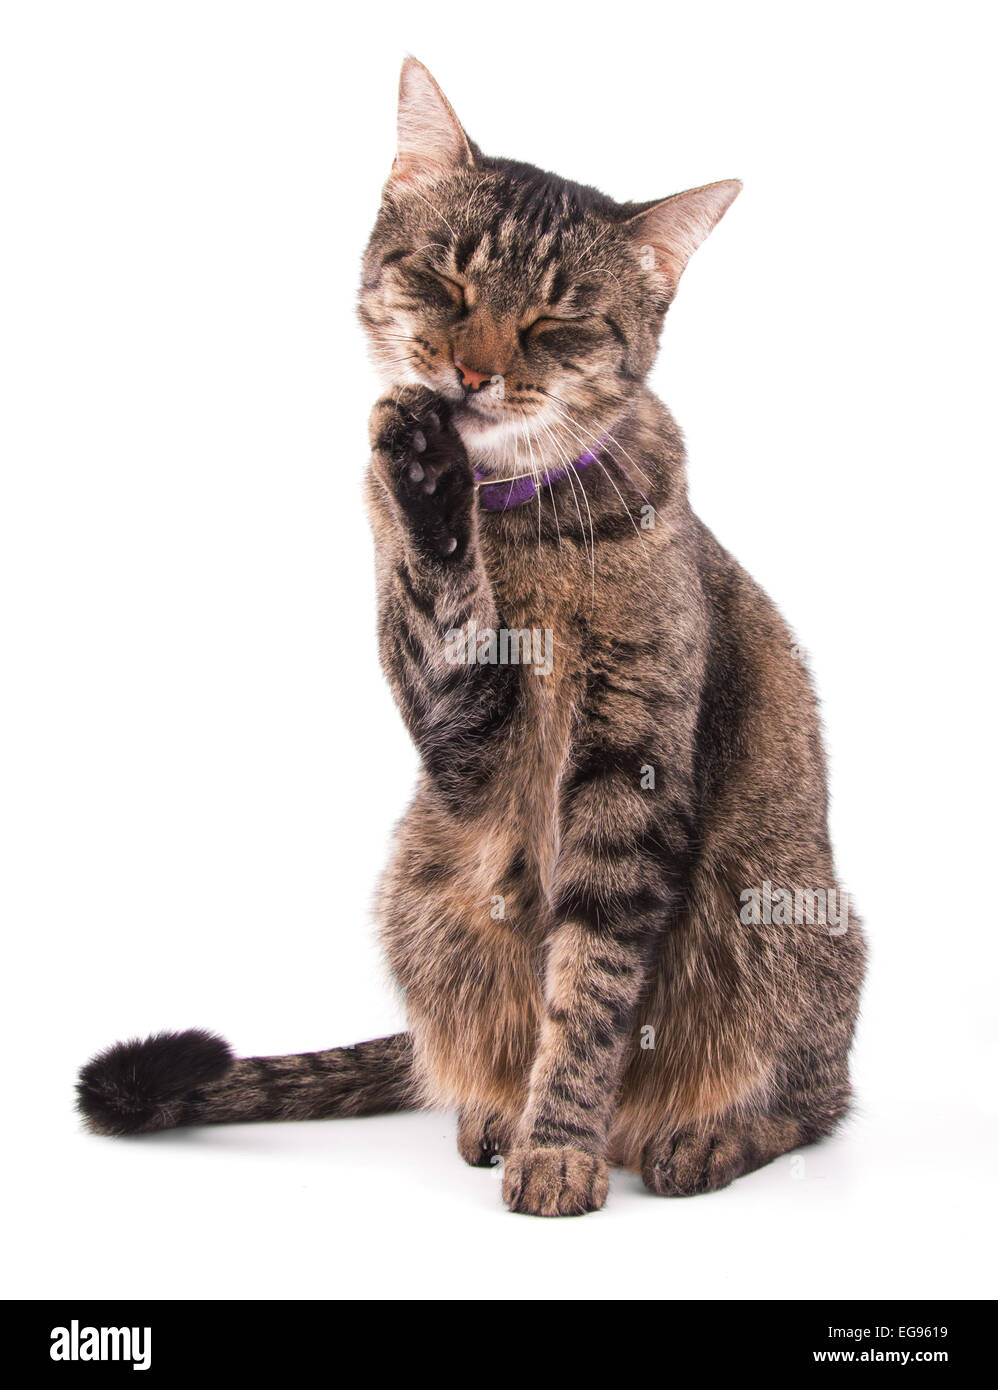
458 293
549 330
544 321
431 287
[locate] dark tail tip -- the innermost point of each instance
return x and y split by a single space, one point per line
130 1087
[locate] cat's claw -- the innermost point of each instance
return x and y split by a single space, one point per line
483 1141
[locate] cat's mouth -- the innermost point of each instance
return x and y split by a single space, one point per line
476 412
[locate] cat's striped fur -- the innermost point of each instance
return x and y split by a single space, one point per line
562 903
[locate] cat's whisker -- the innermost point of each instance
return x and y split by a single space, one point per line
390 339
394 361
528 440
571 406
551 395
590 550
593 446
554 505
528 436
595 449
433 209
604 233
603 270
648 482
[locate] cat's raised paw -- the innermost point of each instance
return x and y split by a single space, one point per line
554 1182
426 469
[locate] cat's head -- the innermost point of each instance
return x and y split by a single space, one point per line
527 300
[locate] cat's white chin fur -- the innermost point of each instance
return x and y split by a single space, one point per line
495 444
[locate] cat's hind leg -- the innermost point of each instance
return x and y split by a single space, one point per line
704 1158
483 1137
709 1155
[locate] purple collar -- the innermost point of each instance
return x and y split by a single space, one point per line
505 493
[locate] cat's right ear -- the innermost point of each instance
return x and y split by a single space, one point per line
431 141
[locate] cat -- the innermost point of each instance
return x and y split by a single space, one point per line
564 906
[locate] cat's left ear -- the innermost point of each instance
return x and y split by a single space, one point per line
668 233
431 140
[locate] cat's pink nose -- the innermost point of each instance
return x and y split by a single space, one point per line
469 377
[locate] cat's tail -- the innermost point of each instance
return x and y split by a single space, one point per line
192 1078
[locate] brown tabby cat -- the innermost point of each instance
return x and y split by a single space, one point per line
620 753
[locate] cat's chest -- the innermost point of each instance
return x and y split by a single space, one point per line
538 602
526 787
539 631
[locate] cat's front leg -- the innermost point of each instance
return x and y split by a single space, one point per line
432 579
434 594
598 964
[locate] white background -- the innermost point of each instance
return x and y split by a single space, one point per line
201 765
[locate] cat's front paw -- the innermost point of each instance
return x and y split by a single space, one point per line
424 465
554 1182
